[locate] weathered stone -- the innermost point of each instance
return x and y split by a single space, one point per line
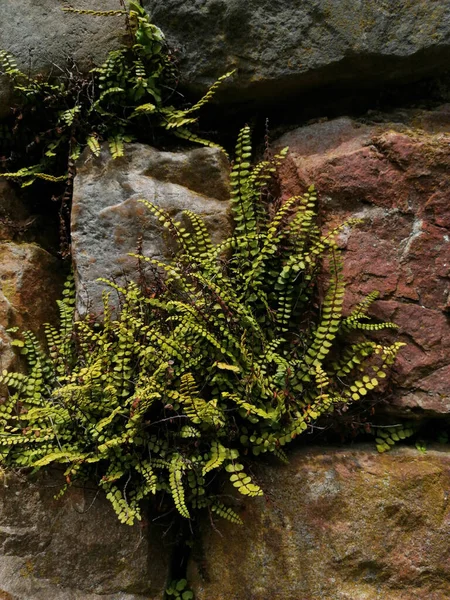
43 38
282 49
108 221
395 176
30 282
346 524
73 548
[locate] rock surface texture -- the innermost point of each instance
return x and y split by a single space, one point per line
280 48
12 211
108 221
283 48
43 38
30 282
394 175
30 277
336 525
73 548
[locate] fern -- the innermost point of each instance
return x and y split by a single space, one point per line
224 358
226 513
218 455
387 437
176 485
95 13
116 146
126 97
178 589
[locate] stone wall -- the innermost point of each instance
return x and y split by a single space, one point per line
74 548
31 277
109 222
336 523
43 38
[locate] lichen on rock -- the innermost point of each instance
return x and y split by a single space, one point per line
336 524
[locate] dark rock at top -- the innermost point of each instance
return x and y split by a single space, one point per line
282 48
43 38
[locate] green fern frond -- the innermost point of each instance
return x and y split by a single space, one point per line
176 485
227 513
328 327
387 437
218 456
210 93
241 481
94 13
147 108
93 145
9 66
116 146
185 134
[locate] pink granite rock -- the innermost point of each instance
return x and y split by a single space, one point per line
394 176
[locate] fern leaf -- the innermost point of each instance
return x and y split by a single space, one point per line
94 13
116 146
51 178
331 315
226 513
387 437
176 486
210 93
60 457
218 455
93 145
185 134
241 481
144 109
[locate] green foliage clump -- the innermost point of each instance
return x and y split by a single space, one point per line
130 93
386 437
179 589
223 358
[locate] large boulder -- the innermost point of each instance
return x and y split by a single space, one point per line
282 48
394 174
43 38
346 524
108 222
73 548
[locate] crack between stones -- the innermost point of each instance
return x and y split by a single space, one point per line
181 552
